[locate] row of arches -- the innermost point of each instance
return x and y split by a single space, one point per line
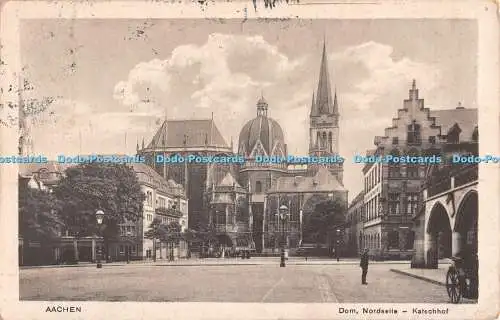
446 239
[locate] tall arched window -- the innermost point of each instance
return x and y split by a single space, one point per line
323 141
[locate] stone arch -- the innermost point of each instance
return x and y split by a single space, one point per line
439 235
465 228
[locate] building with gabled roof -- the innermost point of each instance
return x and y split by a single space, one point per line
181 138
392 191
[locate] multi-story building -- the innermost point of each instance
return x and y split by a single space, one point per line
392 190
354 226
165 200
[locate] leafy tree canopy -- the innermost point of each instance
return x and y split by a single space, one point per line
164 232
325 217
38 218
113 188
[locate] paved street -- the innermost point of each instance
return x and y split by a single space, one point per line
230 283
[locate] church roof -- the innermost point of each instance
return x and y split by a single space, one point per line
172 133
323 181
261 129
466 119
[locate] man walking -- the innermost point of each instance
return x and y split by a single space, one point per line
364 265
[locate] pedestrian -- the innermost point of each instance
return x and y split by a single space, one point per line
364 265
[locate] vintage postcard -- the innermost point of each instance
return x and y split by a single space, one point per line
249 160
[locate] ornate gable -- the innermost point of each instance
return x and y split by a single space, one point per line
258 150
278 150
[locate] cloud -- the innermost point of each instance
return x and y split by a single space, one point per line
225 75
375 87
70 127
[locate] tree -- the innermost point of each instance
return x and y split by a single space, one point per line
323 220
168 233
113 188
38 218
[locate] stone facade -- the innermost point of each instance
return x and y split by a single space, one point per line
392 191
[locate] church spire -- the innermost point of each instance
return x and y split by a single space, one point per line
335 104
324 101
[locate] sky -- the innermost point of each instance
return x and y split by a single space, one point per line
115 80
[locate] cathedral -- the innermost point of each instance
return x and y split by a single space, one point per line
240 201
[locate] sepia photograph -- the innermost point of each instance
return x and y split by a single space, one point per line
250 160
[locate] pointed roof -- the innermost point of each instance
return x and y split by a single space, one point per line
324 101
313 106
229 181
172 133
335 103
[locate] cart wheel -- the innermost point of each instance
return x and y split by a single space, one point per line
453 285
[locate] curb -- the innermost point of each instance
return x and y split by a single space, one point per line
439 283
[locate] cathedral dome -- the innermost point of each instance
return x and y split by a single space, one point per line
262 134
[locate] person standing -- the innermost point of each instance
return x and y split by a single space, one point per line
364 265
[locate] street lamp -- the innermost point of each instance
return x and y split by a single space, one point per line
99 215
283 214
337 245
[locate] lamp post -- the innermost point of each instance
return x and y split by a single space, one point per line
282 215
337 244
99 217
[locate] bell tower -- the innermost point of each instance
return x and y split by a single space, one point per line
324 120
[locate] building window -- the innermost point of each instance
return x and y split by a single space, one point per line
393 240
395 140
412 170
149 198
258 187
432 139
394 170
412 203
393 203
413 134
162 202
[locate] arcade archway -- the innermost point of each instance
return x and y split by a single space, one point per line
439 235
465 230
